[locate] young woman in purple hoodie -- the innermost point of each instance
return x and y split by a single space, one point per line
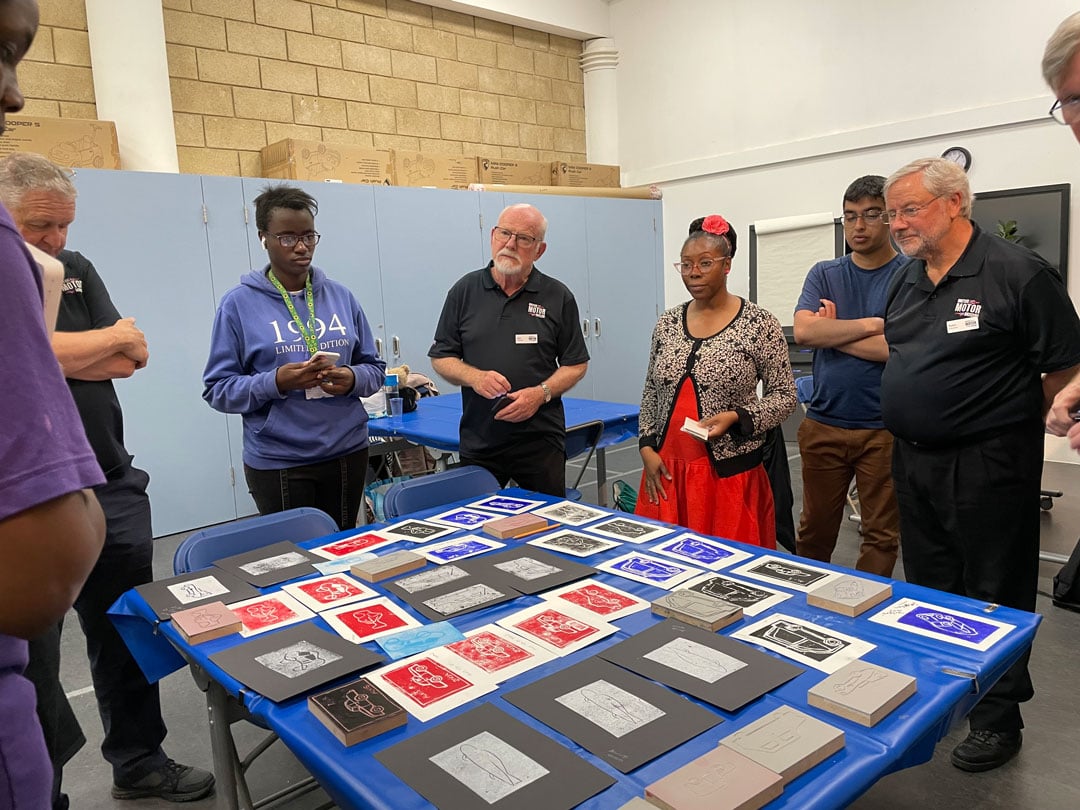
272 361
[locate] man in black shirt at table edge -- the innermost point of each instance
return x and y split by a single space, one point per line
982 336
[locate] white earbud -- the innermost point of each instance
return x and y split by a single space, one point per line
263 240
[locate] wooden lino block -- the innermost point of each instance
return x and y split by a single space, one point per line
722 779
849 595
205 622
691 607
388 565
787 742
515 526
357 711
637 803
862 692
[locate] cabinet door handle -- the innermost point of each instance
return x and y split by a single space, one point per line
596 327
585 327
396 344
378 347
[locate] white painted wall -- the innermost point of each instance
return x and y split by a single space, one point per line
767 109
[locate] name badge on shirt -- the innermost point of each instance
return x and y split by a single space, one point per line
525 339
967 324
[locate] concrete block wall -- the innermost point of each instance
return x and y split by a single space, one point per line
384 74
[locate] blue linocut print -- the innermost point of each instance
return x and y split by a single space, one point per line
459 550
649 569
946 624
466 517
419 639
507 504
695 548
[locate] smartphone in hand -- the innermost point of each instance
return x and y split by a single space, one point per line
500 402
323 357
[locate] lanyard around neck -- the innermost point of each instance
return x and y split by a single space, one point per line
306 331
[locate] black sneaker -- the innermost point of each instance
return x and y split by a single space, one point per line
172 782
985 750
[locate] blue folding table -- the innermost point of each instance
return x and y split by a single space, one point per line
435 422
950 681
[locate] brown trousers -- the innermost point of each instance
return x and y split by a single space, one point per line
831 457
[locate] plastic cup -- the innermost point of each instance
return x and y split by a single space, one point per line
395 407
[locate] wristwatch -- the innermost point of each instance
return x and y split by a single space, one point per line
547 392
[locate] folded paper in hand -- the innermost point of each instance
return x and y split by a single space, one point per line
695 429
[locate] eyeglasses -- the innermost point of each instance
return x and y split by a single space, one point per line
871 217
524 240
288 240
908 212
706 266
1066 112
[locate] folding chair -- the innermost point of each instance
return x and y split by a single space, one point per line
804 390
580 438
438 488
198 551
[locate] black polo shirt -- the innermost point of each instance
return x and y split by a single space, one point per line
84 305
525 337
965 358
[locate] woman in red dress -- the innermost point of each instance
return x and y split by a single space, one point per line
708 356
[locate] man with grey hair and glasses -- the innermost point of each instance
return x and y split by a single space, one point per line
95 346
1061 70
982 336
510 336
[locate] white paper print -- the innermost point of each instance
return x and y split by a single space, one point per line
464 518
573 542
429 579
570 513
195 589
808 643
527 568
696 660
701 551
786 572
505 504
415 531
268 612
297 659
278 562
752 598
450 550
606 601
489 767
630 531
662 573
615 710
332 590
952 626
464 599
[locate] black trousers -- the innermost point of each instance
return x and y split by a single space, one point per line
774 459
538 464
969 525
336 487
130 708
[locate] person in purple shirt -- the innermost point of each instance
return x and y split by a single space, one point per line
51 527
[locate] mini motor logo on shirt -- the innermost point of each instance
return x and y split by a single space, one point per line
537 311
967 306
71 286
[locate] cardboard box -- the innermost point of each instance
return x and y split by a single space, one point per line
440 171
68 142
595 175
292 159
513 172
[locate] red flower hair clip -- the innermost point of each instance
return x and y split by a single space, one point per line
715 224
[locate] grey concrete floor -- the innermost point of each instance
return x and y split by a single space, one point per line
1044 776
